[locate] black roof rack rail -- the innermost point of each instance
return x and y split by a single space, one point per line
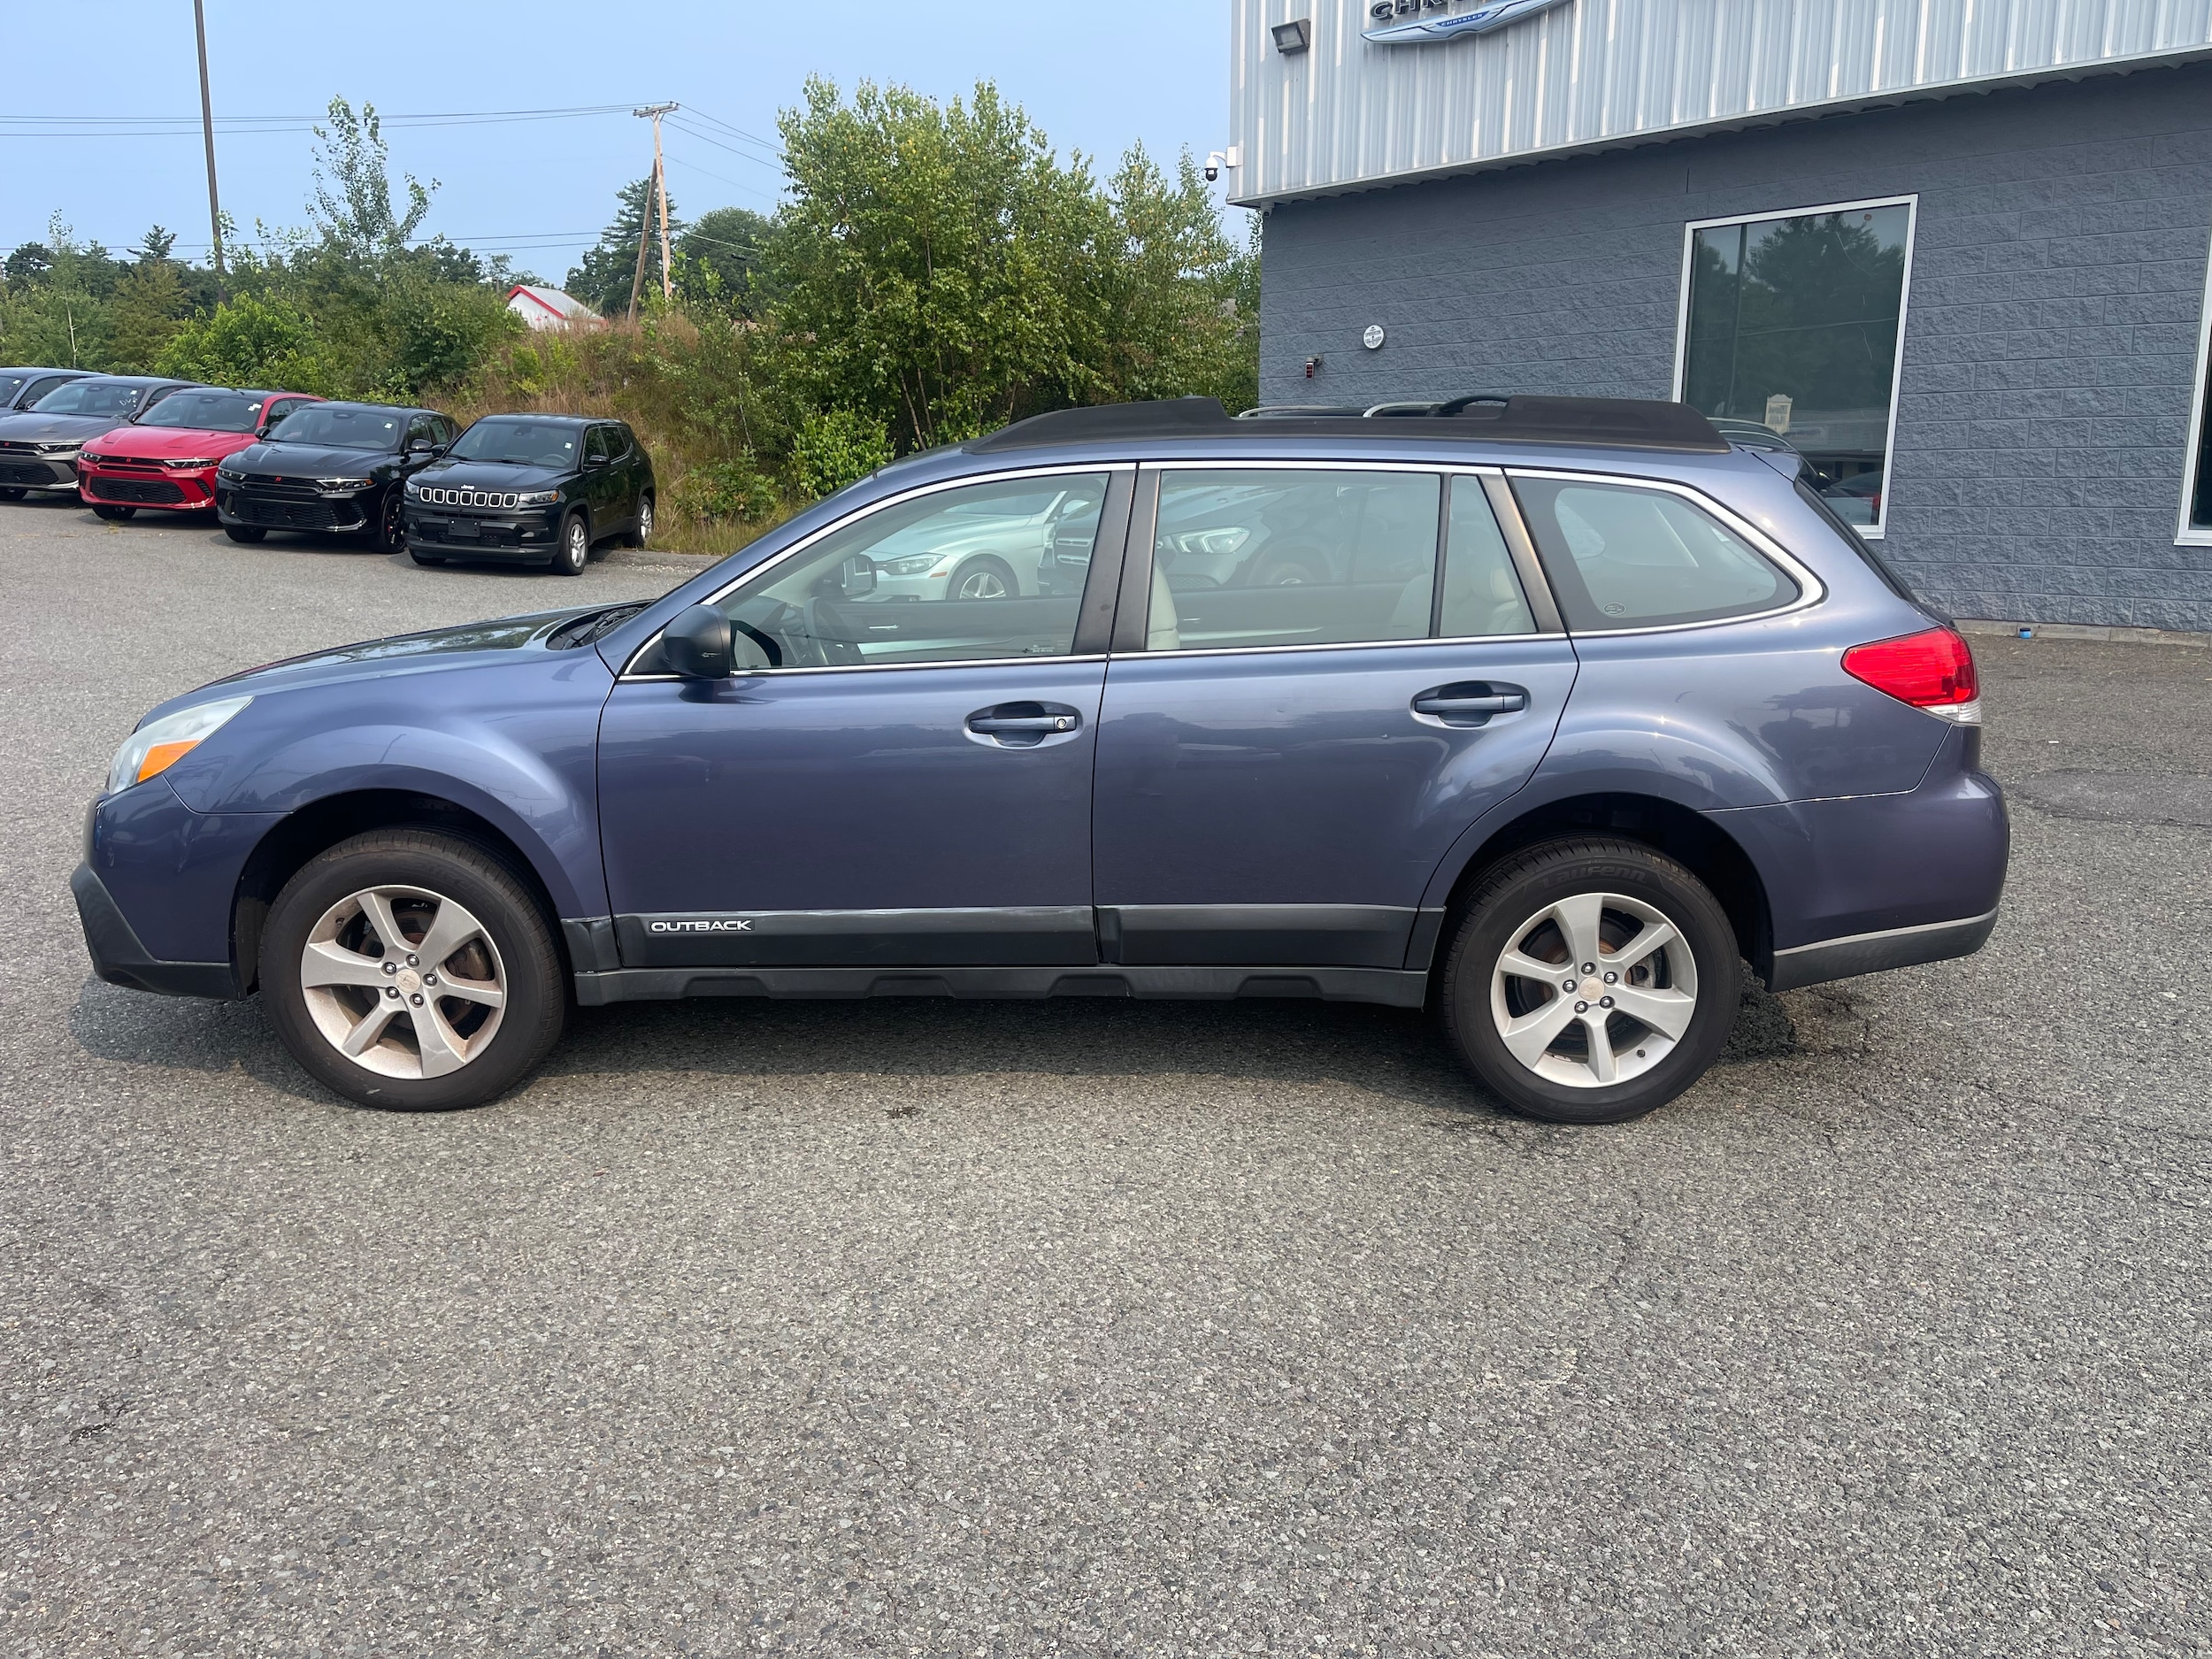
1517 418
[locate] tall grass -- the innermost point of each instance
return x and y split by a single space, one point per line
688 390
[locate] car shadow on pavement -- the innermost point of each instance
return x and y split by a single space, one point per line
1399 1054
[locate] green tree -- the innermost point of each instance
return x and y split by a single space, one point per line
602 279
150 306
352 202
720 259
937 266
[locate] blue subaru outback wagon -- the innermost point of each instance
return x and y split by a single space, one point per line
1550 714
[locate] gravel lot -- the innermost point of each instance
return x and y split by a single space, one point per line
1103 1328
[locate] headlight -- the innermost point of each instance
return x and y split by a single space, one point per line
538 498
340 485
156 747
187 466
67 447
913 564
413 488
228 476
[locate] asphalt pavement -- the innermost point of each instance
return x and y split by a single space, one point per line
1102 1328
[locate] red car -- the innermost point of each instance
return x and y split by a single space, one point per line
166 458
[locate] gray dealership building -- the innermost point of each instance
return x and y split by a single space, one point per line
1953 251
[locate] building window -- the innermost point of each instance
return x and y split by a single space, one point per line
2196 474
1791 323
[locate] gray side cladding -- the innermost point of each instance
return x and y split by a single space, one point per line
2050 332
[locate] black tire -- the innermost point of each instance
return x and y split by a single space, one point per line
1513 897
574 551
13 493
422 558
390 532
248 533
536 1001
640 531
113 513
983 571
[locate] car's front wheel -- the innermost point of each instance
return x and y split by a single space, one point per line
574 551
248 533
389 534
985 578
412 970
1590 981
112 513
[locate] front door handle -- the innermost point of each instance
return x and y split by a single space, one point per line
1022 724
1470 705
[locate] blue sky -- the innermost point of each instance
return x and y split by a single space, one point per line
1097 79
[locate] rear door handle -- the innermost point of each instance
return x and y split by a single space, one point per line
1470 705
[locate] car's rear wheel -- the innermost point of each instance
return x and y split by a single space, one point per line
574 551
112 513
643 536
1590 981
985 578
248 533
413 971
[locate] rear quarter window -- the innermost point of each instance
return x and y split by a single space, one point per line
1624 557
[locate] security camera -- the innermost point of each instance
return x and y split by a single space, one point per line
1216 160
1212 172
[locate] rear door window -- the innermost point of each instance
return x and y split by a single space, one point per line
1619 556
1288 555
1482 592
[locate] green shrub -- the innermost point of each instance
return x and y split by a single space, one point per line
834 446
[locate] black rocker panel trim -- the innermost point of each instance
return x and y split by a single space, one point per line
1389 986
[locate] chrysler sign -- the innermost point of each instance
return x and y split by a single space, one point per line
1412 22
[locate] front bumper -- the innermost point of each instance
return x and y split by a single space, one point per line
529 533
19 470
155 488
239 504
120 959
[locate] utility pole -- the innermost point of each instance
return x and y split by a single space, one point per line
207 127
645 218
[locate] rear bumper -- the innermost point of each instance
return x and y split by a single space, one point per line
1873 953
120 959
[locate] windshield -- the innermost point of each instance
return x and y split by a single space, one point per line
207 411
519 442
91 397
338 428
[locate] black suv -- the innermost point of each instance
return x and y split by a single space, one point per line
540 489
336 467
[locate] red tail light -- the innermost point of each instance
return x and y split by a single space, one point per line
1932 671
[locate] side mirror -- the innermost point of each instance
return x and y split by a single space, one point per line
697 644
422 446
856 577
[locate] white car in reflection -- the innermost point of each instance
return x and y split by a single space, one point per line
1009 547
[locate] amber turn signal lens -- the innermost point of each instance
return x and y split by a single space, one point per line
161 756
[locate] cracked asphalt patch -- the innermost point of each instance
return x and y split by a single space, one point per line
1097 1327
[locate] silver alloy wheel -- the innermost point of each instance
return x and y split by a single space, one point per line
982 582
575 543
1594 990
403 981
644 519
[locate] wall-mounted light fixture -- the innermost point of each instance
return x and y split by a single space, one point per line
1292 37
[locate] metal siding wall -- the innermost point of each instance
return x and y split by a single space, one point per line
1348 112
